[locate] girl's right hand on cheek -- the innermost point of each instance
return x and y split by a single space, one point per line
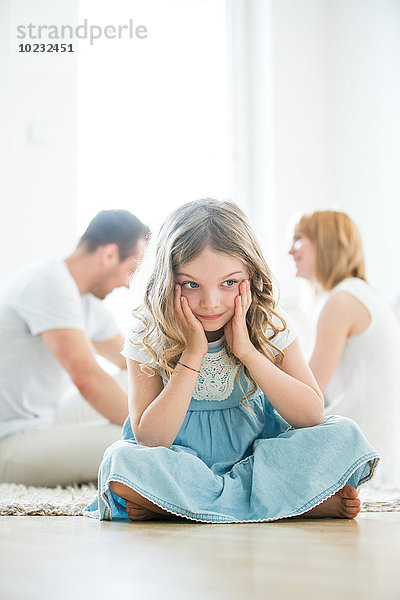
196 341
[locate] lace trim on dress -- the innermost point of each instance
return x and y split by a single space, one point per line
217 377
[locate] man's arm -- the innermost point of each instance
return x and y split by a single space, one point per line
110 349
72 349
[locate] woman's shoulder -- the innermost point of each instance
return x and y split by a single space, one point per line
349 312
357 292
352 292
353 285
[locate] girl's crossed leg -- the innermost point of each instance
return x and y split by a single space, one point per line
345 504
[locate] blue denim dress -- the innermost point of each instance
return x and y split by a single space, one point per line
232 464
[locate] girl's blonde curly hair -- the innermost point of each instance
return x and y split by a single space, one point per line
223 227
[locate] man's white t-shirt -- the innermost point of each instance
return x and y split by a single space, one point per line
40 298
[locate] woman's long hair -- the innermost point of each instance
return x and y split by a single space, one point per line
338 246
223 227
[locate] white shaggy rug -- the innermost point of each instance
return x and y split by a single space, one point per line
20 500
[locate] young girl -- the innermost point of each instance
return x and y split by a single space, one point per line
225 419
357 348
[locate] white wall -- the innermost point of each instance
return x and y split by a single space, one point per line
38 139
155 134
365 63
251 98
302 111
333 138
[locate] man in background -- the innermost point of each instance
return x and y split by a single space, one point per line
52 325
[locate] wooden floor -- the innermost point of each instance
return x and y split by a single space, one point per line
76 557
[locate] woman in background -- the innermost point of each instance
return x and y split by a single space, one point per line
356 357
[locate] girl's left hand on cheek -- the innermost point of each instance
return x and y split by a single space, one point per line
236 331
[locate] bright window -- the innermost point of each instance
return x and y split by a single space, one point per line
152 113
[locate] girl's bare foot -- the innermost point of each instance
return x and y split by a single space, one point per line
345 504
139 513
138 508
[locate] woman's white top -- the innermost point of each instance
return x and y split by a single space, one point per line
366 383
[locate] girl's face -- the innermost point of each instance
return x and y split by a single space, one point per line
210 283
303 252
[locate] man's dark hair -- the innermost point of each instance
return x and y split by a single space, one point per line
114 227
